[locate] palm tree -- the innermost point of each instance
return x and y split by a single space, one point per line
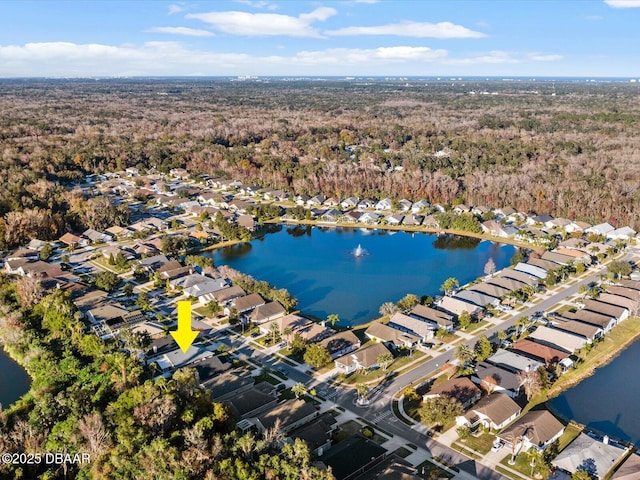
299 389
463 353
275 332
333 319
387 309
287 332
363 391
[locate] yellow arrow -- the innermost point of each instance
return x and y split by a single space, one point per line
184 336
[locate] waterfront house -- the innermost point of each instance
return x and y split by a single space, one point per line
490 289
366 203
587 453
513 361
558 339
302 200
225 295
620 301
537 351
430 222
460 209
352 216
584 330
369 217
404 323
456 306
461 389
391 337
436 318
494 378
247 303
496 229
629 468
365 358
267 312
578 255
405 205
412 219
494 411
246 221
541 273
519 276
619 290
310 331
506 283
618 312
331 216
341 344
605 322
535 429
477 298
395 219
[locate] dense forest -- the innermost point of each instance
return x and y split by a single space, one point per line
569 149
98 399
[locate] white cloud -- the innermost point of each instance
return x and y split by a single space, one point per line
64 59
411 29
258 4
545 58
623 3
365 56
493 57
173 9
265 24
190 32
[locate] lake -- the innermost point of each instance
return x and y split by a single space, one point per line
14 381
317 266
608 400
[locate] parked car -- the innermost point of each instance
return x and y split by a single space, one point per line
282 370
280 387
497 445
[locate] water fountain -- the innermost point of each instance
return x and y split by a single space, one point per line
359 251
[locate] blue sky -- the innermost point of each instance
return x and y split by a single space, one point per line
596 38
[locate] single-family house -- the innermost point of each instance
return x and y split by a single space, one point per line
73 241
535 429
456 306
505 282
247 303
538 272
430 222
302 199
341 344
366 203
179 173
584 330
239 206
391 337
316 201
352 216
412 219
523 277
600 229
225 295
493 378
624 233
538 351
622 291
405 205
618 312
480 210
460 209
317 434
229 384
490 289
404 323
588 454
331 216
558 339
310 331
395 219
350 202
605 322
267 312
246 221
578 255
436 318
365 358
369 217
419 206
477 298
513 361
629 468
494 411
331 202
384 204
558 258
461 389
620 301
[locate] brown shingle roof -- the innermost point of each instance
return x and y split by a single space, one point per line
547 354
538 426
498 407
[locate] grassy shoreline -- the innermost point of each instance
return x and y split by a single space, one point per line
615 342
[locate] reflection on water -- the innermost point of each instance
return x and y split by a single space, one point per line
453 242
318 267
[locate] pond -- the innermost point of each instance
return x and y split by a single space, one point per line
318 266
14 381
607 401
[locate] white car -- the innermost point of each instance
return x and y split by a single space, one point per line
497 445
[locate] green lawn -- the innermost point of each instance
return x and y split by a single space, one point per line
481 444
477 326
431 471
570 433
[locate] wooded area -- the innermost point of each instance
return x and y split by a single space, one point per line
573 154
